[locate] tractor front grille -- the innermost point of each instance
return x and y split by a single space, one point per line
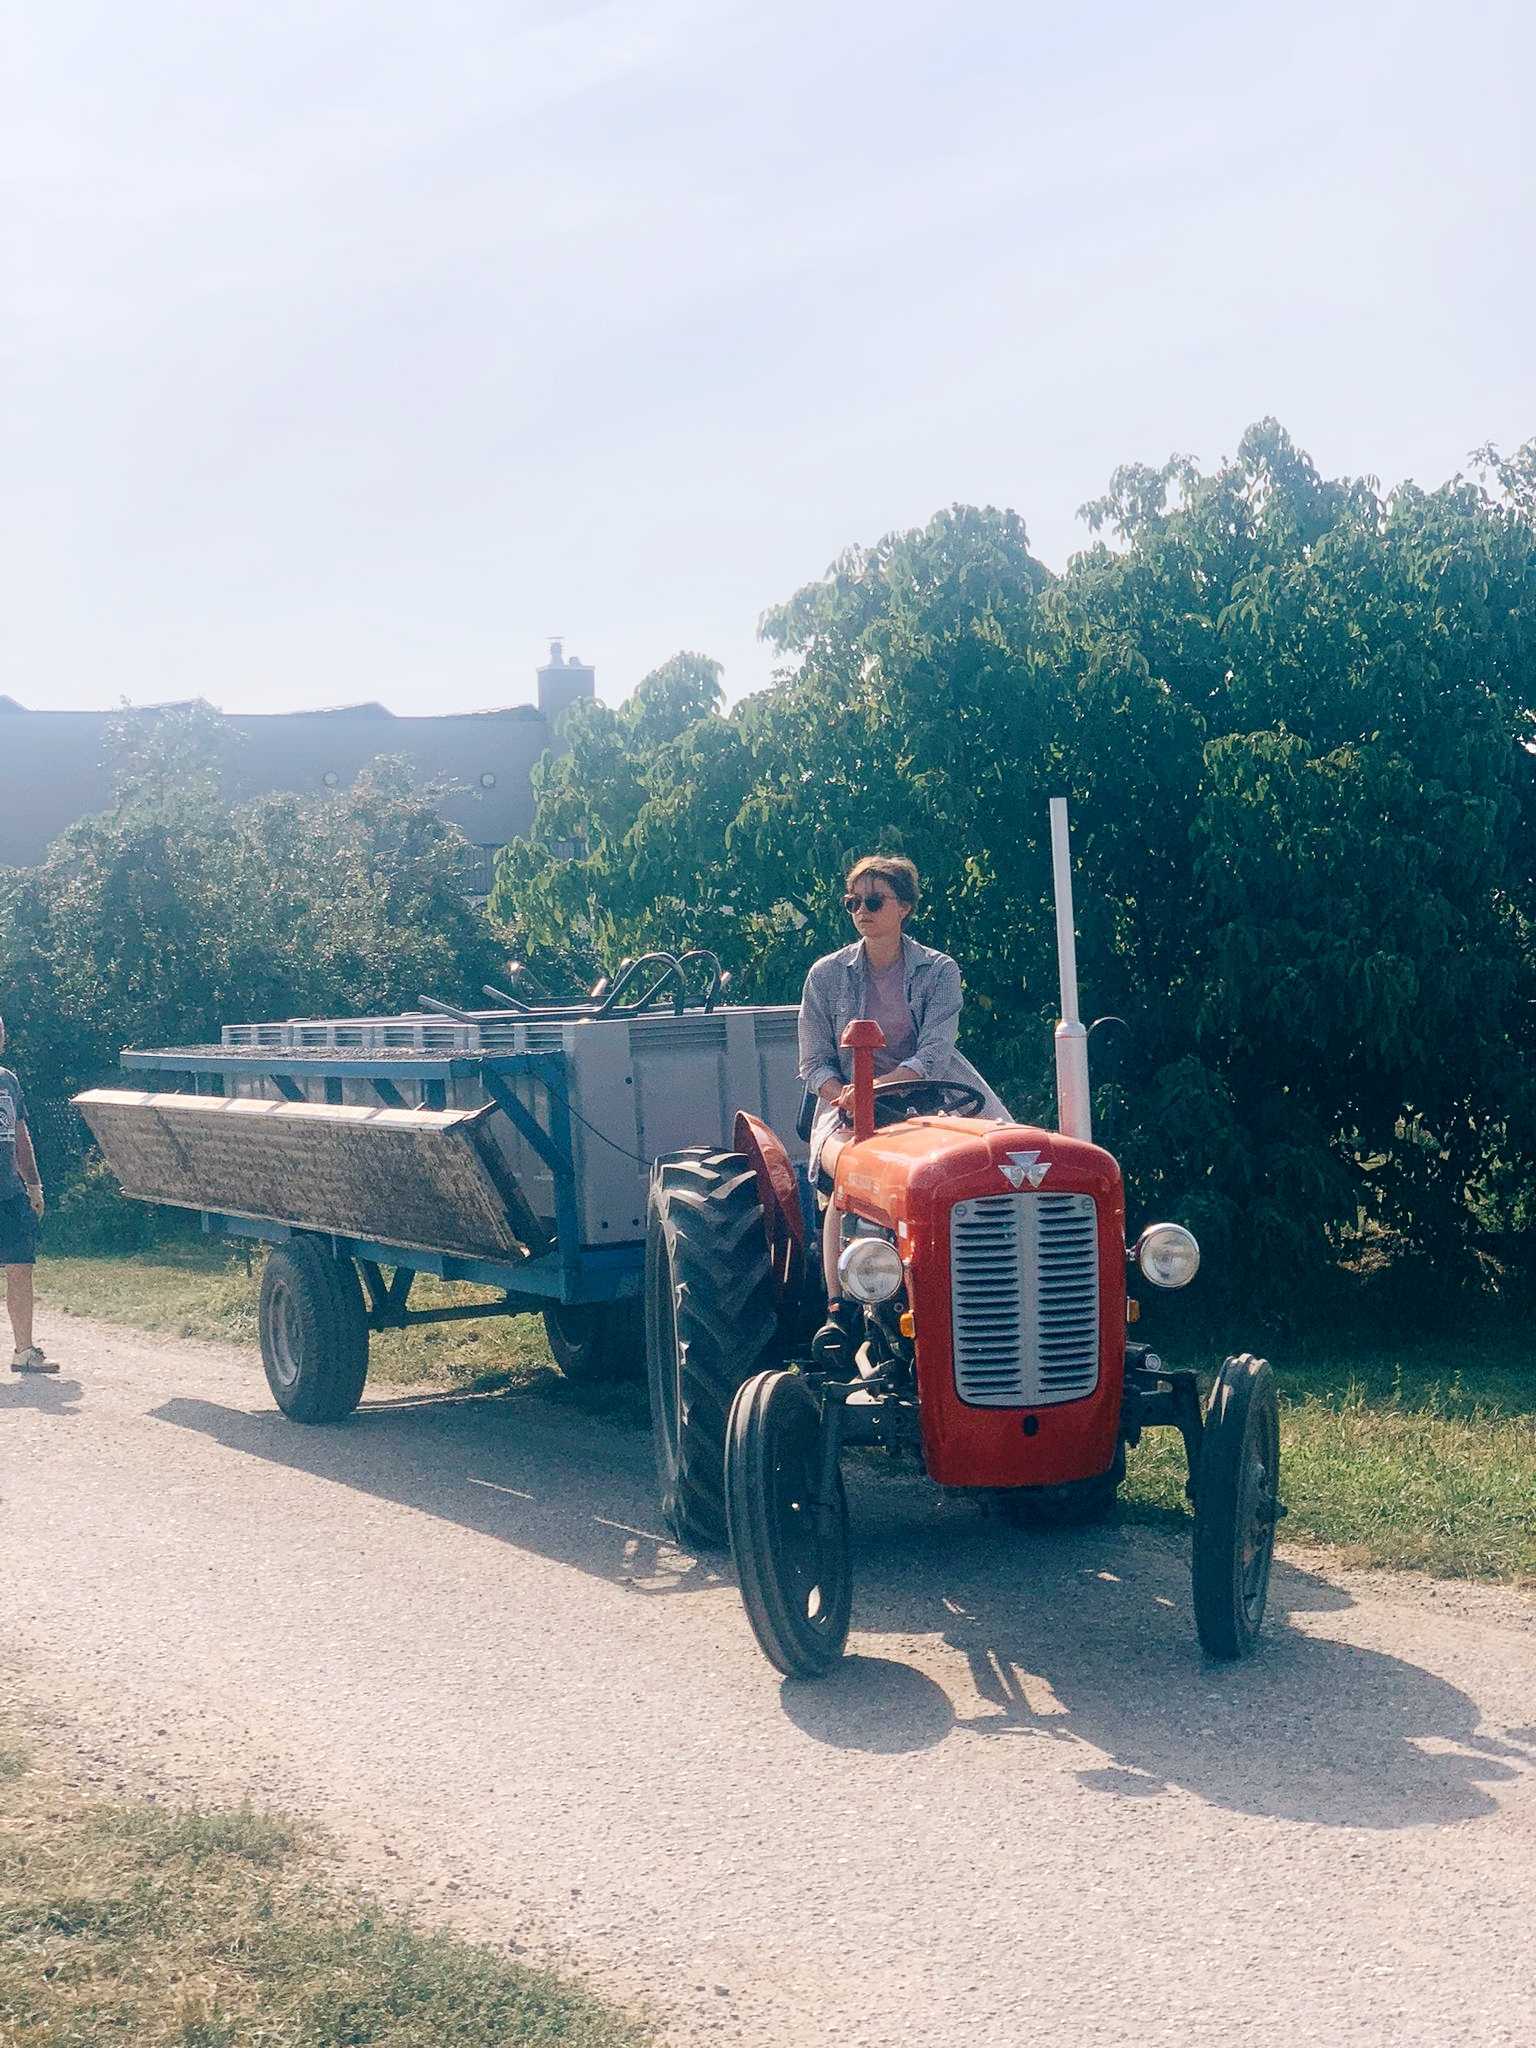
1024 1270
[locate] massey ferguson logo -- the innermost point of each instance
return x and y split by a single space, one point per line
1023 1168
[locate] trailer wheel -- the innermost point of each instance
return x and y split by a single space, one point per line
710 1322
1072 1505
1236 1507
790 1548
314 1332
595 1343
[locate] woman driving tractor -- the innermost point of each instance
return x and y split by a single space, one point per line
913 993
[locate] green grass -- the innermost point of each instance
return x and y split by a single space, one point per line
1420 1454
1417 1455
164 1928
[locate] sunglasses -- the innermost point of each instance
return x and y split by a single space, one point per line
871 903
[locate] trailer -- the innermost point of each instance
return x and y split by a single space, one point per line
510 1148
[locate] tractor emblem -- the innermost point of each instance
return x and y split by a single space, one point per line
1025 1166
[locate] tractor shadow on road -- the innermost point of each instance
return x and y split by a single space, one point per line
1087 1637
552 1477
964 1628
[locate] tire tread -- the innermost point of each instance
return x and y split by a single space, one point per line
707 1242
792 1647
1221 1623
333 1367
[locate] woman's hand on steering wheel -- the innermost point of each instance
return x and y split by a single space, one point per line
897 1100
844 1098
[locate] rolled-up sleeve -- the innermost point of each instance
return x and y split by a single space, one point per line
938 1030
819 1062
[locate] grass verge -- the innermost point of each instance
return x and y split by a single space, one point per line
1419 1454
210 1291
194 1929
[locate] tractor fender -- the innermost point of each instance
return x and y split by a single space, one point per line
778 1188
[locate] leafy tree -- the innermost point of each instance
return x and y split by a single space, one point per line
1357 1001
169 763
174 913
629 777
1295 720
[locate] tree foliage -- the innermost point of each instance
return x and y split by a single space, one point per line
1295 717
173 912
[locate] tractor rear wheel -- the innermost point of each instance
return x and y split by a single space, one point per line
1072 1505
710 1322
1236 1507
314 1332
790 1547
596 1342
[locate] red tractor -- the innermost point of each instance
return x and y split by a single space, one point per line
990 1263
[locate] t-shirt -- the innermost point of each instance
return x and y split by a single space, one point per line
890 1009
13 1111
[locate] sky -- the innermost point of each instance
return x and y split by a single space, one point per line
351 349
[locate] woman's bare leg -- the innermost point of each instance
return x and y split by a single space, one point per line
831 1249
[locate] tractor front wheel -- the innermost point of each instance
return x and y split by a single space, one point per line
790 1545
1236 1507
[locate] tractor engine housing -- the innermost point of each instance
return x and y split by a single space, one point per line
1013 1243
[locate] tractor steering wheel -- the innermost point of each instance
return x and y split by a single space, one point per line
898 1100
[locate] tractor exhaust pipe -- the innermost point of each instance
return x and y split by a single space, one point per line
1074 1113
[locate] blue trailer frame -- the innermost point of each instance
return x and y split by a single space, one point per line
566 1274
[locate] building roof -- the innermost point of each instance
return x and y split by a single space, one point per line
368 709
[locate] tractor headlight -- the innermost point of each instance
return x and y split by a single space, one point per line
870 1269
1168 1255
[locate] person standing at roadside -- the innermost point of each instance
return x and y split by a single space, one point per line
21 1210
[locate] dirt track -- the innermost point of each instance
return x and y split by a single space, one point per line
1024 1811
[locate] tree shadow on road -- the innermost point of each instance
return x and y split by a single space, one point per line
1078 1638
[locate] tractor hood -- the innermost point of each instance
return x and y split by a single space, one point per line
903 1174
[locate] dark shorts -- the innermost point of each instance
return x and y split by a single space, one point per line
18 1231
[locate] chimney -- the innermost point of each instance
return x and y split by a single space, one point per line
563 683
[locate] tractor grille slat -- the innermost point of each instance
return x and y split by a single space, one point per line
1024 1271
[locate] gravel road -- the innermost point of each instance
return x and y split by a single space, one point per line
1025 1810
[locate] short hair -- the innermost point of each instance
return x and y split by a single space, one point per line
892 868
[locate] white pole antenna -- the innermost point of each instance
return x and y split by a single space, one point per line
1073 1106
